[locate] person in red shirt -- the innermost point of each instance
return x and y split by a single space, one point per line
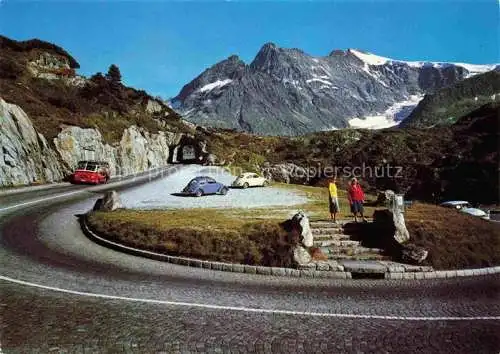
356 198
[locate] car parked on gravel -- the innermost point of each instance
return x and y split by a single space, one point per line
204 185
465 207
249 179
91 172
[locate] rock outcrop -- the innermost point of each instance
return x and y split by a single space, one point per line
413 254
401 233
300 221
301 255
384 197
394 237
110 202
286 173
137 151
300 230
25 156
74 144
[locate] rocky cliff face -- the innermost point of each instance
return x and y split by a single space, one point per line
26 157
137 151
288 92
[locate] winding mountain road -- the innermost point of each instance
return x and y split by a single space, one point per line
60 292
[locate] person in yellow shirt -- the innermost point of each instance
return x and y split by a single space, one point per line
333 199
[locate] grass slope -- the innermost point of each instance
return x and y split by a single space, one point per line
453 239
203 234
255 236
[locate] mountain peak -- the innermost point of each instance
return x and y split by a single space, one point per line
368 58
233 57
269 46
266 55
337 53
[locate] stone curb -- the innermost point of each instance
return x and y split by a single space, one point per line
275 271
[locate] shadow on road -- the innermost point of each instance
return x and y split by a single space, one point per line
182 194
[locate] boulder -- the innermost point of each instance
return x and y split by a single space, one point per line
413 254
211 159
383 197
301 255
300 222
401 234
393 237
286 173
110 202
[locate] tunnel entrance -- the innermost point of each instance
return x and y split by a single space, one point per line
188 151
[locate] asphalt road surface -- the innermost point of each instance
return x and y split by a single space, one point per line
62 293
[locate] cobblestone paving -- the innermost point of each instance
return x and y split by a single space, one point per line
39 321
43 244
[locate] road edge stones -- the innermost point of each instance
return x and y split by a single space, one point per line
275 271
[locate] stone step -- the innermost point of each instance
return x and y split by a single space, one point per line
365 266
336 243
349 250
331 234
322 238
324 223
360 257
325 230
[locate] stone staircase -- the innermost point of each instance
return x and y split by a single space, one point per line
337 245
346 246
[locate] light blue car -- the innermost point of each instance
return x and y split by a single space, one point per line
465 207
204 185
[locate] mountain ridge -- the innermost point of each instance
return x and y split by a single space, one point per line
286 91
446 105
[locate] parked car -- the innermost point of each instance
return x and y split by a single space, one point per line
203 185
466 207
92 172
250 179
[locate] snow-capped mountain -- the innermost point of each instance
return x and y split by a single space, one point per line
288 92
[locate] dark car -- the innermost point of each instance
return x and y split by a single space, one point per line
92 172
203 185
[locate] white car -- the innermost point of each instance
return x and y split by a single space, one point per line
465 207
250 179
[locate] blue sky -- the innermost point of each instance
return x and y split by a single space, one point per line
162 45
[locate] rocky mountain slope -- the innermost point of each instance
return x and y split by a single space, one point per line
50 118
448 104
288 92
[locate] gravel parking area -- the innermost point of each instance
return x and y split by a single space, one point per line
162 194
